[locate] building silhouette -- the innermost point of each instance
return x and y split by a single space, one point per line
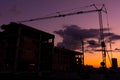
24 48
26 51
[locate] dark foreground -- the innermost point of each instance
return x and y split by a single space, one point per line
61 76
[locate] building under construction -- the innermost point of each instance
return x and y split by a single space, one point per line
27 51
23 48
65 60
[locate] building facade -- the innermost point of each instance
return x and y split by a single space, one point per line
26 48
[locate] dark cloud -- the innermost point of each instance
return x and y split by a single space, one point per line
93 44
115 37
117 49
76 32
73 35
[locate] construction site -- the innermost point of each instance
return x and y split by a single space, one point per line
29 53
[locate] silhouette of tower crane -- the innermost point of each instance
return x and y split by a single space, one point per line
99 10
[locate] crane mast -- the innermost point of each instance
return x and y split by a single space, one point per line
102 42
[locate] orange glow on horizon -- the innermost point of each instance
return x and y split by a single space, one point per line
95 59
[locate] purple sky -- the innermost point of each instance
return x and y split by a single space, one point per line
17 10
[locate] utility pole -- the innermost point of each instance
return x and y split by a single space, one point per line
82 52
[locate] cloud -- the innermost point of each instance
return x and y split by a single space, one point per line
117 49
73 35
115 37
93 43
76 32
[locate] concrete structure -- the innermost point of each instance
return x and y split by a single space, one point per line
63 60
25 48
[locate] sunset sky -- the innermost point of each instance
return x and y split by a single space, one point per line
69 30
